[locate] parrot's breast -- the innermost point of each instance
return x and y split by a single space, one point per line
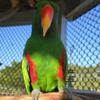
46 69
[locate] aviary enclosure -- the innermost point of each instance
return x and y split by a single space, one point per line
81 38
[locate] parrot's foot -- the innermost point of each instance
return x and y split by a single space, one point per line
61 90
35 94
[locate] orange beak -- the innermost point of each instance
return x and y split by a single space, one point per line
47 13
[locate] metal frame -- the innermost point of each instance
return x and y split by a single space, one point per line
20 18
87 95
82 8
25 17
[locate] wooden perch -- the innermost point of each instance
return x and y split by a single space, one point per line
45 96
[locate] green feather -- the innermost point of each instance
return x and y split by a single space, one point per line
25 75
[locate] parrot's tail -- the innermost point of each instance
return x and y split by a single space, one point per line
26 75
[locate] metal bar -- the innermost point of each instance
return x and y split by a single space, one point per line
20 18
87 94
87 97
82 8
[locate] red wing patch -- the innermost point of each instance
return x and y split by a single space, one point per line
32 71
61 67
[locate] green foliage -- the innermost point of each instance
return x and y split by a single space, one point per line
11 79
86 78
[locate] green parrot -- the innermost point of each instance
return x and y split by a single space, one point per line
44 59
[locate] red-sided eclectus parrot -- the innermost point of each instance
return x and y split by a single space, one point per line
44 58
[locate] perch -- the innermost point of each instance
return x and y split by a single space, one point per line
46 96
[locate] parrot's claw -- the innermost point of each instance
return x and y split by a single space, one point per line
61 90
35 94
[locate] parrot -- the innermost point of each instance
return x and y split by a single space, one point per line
44 61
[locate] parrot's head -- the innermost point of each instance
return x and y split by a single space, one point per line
46 14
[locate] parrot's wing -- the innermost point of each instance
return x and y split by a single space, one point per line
26 75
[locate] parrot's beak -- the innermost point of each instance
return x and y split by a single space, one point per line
47 13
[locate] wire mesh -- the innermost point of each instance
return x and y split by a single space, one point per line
83 45
12 41
82 41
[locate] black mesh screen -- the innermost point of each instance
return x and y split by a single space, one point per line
12 42
83 45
